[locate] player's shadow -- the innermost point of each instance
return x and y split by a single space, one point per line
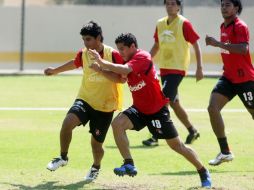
51 185
132 147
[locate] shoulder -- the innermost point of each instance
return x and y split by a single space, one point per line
142 54
161 20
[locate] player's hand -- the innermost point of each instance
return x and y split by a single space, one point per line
96 67
94 54
49 71
211 41
199 74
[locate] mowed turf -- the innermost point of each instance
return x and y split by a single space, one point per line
30 139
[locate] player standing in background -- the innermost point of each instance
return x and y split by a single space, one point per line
96 102
238 75
173 36
149 107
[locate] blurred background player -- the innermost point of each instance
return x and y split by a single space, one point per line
149 107
238 75
173 37
96 102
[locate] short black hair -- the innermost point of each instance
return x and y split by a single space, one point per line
178 2
237 3
92 29
127 39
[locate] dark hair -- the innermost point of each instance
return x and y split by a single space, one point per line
92 29
237 3
127 39
178 2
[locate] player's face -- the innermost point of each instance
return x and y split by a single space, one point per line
228 9
90 42
172 7
125 51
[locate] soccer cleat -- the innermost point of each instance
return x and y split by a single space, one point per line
205 179
150 142
220 158
56 163
91 175
192 137
126 169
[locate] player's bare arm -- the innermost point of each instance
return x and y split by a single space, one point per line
241 48
105 65
199 70
154 49
65 67
117 78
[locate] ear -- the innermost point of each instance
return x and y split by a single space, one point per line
98 38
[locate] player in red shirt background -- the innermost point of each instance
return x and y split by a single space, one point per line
173 36
149 106
238 75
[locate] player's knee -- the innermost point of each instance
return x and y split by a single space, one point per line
212 109
97 148
119 123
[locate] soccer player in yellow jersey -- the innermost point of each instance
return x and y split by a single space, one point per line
96 102
173 36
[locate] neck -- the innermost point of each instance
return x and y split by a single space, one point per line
229 20
171 18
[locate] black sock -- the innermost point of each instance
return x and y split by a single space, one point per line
154 138
64 155
224 145
96 166
129 161
202 170
192 130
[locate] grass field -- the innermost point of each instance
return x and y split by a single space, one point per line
30 139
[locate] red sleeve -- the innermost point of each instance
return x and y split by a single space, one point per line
78 59
189 33
116 57
242 34
155 36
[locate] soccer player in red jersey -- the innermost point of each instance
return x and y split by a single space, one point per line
98 97
238 75
149 107
172 39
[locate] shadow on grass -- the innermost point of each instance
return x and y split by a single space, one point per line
52 185
133 147
212 171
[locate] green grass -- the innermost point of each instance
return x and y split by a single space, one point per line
29 139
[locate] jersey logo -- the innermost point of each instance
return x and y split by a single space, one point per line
137 87
167 36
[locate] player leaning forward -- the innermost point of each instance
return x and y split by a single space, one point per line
149 106
98 97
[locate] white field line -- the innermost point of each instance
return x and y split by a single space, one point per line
65 109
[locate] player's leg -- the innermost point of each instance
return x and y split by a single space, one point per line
246 93
71 120
161 126
170 89
99 125
220 96
192 157
128 120
69 123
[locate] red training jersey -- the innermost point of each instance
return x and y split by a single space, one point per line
144 84
237 67
190 36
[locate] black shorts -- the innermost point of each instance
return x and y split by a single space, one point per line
170 85
245 91
99 121
159 124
